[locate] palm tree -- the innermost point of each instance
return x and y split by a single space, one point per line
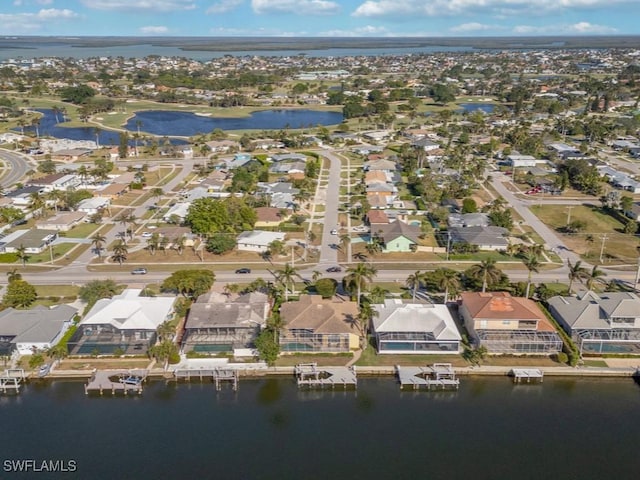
594 275
153 243
345 241
157 192
97 240
120 252
378 294
21 253
589 241
576 272
36 202
487 271
359 276
373 248
448 280
178 244
166 331
13 275
414 281
365 313
532 262
286 277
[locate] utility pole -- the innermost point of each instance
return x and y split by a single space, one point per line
448 244
604 239
635 284
569 214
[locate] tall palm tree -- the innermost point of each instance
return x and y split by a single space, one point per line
97 240
448 281
366 312
414 281
36 203
21 253
166 331
532 262
153 242
120 252
286 277
359 276
487 271
576 272
345 242
378 294
594 275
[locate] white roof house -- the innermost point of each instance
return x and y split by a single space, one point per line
258 240
130 311
90 206
404 327
180 210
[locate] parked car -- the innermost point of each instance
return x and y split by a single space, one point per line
139 271
146 235
243 270
334 269
334 232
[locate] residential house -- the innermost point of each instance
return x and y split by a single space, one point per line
489 238
270 216
62 222
314 324
239 160
425 144
217 323
598 323
223 146
91 206
56 181
177 213
517 161
505 324
377 217
258 240
405 326
36 329
21 197
468 220
397 236
112 191
33 241
126 322
380 164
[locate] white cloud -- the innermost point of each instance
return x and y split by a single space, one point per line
365 31
474 27
298 7
34 22
224 6
154 30
435 8
580 28
140 5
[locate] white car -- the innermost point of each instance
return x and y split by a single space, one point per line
146 235
334 232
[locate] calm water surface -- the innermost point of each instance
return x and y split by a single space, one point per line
489 429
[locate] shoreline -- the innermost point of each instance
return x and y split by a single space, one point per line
371 371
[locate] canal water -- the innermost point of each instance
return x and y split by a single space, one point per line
268 429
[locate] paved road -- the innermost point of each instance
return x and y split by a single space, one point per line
329 196
17 164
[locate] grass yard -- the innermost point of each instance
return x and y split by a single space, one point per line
83 230
57 251
618 246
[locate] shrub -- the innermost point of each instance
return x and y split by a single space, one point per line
561 357
174 357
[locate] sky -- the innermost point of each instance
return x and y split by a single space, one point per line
308 18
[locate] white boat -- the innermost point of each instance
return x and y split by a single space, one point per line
44 370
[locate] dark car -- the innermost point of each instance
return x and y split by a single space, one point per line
243 270
334 269
139 271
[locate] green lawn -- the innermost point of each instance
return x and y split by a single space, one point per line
57 290
58 251
84 230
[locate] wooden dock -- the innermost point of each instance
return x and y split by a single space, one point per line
130 381
312 376
218 376
437 376
528 374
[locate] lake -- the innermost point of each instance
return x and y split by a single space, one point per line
489 429
186 124
472 107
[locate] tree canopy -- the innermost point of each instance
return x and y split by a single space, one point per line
189 283
19 294
209 215
97 289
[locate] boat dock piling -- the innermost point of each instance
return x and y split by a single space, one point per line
130 381
520 374
11 380
438 375
310 375
217 375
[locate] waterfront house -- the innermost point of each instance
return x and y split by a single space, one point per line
405 326
216 323
258 240
506 324
126 322
598 323
36 329
314 324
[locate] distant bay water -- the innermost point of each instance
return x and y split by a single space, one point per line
565 428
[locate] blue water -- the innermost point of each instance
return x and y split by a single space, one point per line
584 429
186 124
472 107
